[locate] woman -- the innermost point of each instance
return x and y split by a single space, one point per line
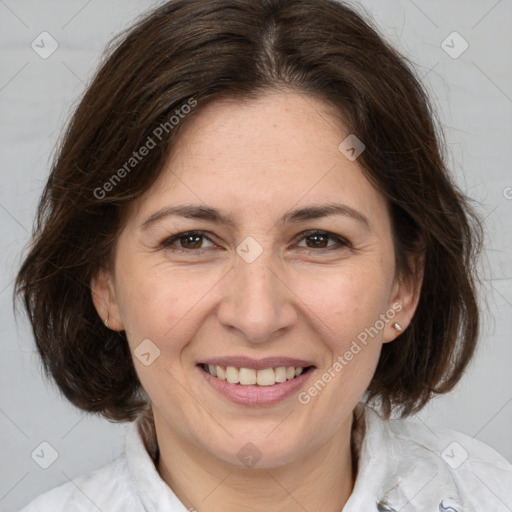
250 247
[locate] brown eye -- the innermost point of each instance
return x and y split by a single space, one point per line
320 239
188 240
191 241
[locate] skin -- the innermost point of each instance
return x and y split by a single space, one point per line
256 160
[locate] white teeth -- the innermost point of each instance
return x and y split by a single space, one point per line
266 377
221 373
250 376
232 375
247 376
280 374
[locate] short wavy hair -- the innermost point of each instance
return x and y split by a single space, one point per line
208 50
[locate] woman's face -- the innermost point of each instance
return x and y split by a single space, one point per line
258 288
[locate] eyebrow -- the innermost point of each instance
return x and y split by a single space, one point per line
210 214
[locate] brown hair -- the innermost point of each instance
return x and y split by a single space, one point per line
203 50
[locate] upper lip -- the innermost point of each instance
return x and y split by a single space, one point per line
257 364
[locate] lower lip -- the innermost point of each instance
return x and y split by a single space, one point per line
256 395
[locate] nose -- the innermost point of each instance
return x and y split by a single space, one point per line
257 301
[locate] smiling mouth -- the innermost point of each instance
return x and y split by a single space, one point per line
253 377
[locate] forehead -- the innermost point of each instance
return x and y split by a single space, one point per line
260 157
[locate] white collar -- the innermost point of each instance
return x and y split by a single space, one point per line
153 491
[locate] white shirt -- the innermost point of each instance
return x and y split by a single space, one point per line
402 466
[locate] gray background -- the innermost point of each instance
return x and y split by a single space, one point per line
472 94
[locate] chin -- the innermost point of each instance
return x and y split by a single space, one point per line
259 452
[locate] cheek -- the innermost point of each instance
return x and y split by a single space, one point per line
162 305
347 313
160 302
346 301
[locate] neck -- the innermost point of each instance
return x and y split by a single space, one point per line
320 480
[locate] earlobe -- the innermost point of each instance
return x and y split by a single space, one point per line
103 298
405 299
395 324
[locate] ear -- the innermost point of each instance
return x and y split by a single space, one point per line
405 297
103 297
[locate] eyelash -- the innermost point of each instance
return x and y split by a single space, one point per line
343 243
